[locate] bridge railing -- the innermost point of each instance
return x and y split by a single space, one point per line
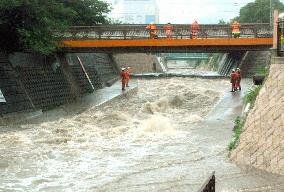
180 31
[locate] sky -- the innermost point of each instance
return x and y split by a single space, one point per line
204 11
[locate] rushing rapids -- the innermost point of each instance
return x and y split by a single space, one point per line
134 143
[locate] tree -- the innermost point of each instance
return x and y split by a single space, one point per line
88 12
258 11
222 22
29 25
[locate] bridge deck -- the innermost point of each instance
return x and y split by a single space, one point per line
167 42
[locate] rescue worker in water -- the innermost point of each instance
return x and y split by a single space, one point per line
123 76
238 81
234 78
127 71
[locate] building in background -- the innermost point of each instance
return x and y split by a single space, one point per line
135 11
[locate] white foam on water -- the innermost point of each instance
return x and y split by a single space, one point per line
105 144
158 123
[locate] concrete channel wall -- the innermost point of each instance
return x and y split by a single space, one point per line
13 95
262 141
253 61
139 62
31 82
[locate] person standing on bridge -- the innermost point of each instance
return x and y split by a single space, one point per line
152 30
169 30
194 29
233 80
123 76
238 81
127 71
236 29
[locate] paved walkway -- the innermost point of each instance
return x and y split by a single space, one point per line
217 128
98 97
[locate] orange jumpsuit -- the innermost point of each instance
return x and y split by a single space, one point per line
169 30
236 29
127 73
238 81
152 31
123 76
234 78
194 30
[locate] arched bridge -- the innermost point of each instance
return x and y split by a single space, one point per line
135 38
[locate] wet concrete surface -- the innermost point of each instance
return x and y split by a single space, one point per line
97 98
217 129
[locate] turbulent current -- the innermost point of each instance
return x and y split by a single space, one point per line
134 143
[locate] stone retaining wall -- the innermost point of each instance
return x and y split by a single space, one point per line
16 99
262 141
139 62
254 61
36 82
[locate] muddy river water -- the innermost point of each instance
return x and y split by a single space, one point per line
149 141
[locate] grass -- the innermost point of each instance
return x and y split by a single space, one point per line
239 124
262 71
250 97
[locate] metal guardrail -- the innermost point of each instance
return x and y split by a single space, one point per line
180 31
209 184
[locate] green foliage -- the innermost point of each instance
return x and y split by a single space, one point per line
250 97
115 21
258 11
29 25
222 22
262 71
239 124
88 12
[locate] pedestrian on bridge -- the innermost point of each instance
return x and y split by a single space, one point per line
152 30
194 29
123 76
236 29
233 80
169 30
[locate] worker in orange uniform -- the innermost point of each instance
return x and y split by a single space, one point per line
152 30
123 76
127 71
234 77
194 30
238 81
169 30
236 29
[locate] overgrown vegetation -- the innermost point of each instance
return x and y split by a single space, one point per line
239 124
29 25
250 97
263 71
258 11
